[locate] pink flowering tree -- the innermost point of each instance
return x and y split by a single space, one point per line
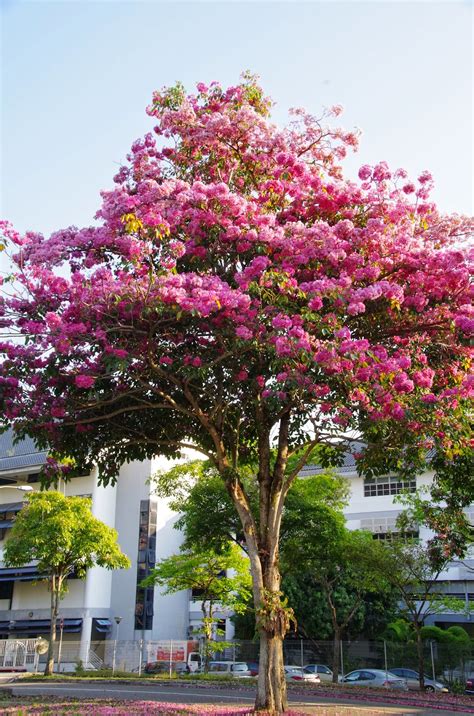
239 295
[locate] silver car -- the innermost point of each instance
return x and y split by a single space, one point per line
324 672
237 669
375 677
297 673
412 678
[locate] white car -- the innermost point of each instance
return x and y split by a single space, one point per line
324 672
297 673
238 669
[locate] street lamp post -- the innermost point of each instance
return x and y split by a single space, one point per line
117 621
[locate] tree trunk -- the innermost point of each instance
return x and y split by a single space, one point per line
421 657
271 686
336 654
207 635
272 618
262 540
273 624
55 586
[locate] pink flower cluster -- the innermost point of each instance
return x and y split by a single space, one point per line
232 248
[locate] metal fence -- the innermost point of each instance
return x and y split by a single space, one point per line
448 661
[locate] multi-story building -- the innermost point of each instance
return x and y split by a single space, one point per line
146 534
89 608
372 506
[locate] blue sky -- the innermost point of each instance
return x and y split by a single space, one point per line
76 77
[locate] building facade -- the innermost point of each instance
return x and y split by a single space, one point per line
373 507
146 534
90 607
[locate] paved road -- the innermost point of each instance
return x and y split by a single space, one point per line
177 693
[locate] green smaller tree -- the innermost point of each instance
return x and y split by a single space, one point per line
408 567
222 579
64 538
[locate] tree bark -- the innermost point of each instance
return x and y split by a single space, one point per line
262 540
336 653
421 657
271 686
55 586
272 620
262 549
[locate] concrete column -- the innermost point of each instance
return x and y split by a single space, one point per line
85 640
98 589
229 629
98 586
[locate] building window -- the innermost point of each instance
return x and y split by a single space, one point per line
220 630
387 536
386 528
145 563
387 485
6 590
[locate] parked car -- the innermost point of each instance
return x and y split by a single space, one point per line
413 680
375 677
324 672
253 667
233 668
157 667
181 668
297 673
469 688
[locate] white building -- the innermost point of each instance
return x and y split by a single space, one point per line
372 507
146 534
89 608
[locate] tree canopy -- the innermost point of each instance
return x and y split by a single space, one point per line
62 535
222 580
240 295
236 270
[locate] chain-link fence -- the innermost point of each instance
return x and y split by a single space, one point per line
449 662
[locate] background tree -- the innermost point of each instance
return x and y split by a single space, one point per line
208 517
313 613
345 571
454 646
407 566
241 296
312 520
64 538
440 506
223 581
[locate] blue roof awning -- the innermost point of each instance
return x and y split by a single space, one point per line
43 625
19 574
103 626
21 454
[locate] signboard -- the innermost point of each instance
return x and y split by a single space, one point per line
175 651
